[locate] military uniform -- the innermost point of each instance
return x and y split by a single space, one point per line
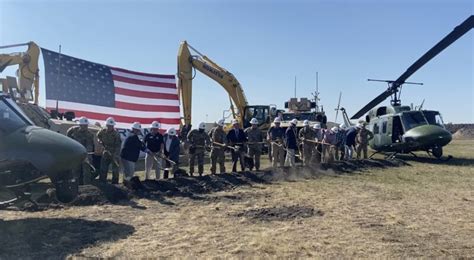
217 135
112 144
275 135
255 138
197 140
341 143
362 140
307 134
86 138
318 148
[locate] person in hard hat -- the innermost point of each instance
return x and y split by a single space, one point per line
330 145
291 143
171 150
341 142
306 136
255 140
362 140
350 140
84 136
198 140
318 148
275 135
110 139
154 143
237 139
131 151
218 142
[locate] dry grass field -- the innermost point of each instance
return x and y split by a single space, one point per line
423 209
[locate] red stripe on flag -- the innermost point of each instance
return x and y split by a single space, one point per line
144 82
103 117
138 107
144 94
144 74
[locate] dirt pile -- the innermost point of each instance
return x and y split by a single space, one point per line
284 213
464 133
195 187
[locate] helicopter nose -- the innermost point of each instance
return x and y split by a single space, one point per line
432 135
55 153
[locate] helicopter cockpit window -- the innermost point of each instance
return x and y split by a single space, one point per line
9 119
434 118
413 119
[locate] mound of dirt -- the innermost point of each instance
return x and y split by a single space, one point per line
464 133
194 187
98 194
284 213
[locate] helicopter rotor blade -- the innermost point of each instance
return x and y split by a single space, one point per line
457 33
372 104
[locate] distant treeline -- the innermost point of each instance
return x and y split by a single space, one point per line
453 128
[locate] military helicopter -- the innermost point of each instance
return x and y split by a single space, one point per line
29 153
401 129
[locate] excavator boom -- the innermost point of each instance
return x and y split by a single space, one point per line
28 71
186 65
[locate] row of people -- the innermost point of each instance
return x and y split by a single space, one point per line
311 144
123 156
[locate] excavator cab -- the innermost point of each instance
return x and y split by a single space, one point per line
261 112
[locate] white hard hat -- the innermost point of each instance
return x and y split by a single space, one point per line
83 121
171 131
254 121
235 121
220 122
155 125
202 125
359 125
335 129
110 121
317 126
294 121
343 126
137 126
305 122
277 120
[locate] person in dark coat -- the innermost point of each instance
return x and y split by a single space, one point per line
237 138
350 141
171 151
291 143
131 151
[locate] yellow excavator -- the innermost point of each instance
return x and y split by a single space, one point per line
28 72
189 62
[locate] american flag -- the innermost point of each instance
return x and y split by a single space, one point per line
97 91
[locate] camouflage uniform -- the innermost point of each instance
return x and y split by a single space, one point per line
275 135
217 135
255 138
197 140
86 138
112 144
318 148
306 133
362 140
340 143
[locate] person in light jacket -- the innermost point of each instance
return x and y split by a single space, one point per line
171 151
